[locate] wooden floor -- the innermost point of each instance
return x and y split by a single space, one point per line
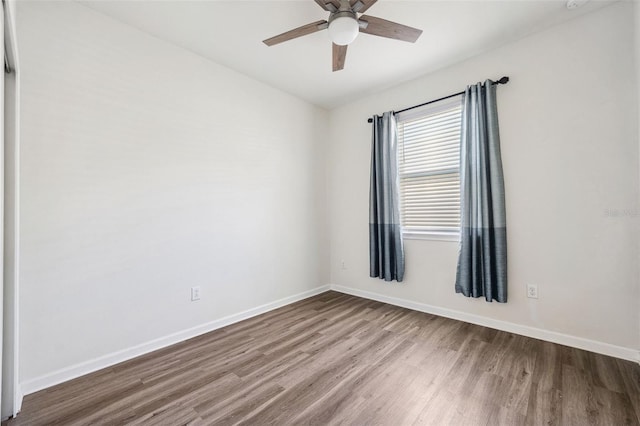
338 359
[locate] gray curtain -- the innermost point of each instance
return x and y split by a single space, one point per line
386 251
482 262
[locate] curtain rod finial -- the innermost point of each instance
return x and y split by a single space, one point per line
504 80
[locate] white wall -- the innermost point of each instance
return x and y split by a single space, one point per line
570 151
146 170
9 331
10 389
637 57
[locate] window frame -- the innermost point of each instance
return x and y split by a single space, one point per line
425 233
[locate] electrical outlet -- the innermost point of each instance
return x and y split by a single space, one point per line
343 265
195 293
532 291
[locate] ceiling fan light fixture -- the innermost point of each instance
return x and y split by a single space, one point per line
343 29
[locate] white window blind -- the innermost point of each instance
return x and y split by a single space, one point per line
429 168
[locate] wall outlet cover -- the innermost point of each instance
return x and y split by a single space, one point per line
195 293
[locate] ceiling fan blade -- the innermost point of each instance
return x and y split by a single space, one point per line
325 4
295 33
339 56
383 28
366 4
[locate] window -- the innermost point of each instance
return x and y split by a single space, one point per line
429 169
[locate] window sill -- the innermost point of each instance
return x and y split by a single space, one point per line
432 236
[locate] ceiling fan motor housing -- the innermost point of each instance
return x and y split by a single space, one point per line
342 13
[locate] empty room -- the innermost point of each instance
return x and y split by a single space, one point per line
299 212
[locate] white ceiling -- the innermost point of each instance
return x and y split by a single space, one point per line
231 33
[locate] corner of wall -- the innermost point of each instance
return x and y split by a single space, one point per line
322 142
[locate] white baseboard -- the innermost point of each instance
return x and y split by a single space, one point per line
19 396
524 330
74 371
17 403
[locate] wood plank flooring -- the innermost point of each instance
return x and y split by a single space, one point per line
339 359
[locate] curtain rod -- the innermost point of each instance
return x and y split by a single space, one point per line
503 80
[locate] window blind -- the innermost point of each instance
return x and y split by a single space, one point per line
429 167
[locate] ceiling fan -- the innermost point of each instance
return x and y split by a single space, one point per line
344 25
